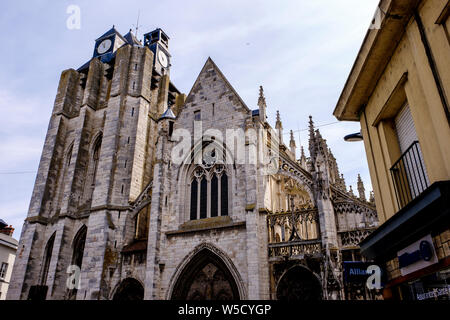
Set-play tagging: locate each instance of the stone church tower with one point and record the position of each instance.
(143, 192)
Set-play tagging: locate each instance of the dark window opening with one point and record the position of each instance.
(77, 255)
(48, 258)
(203, 198)
(214, 197)
(170, 128)
(194, 192)
(224, 195)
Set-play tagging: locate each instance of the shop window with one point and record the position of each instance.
(435, 286)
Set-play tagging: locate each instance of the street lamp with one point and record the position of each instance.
(354, 137)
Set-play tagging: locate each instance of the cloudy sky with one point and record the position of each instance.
(301, 51)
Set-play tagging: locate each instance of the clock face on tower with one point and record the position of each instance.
(104, 46)
(163, 59)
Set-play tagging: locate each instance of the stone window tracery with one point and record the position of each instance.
(209, 192)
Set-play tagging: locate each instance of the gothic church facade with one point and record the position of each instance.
(111, 205)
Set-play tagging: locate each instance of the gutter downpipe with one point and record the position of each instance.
(432, 64)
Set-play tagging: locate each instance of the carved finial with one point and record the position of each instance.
(303, 161)
(350, 192)
(344, 186)
(261, 99)
(361, 189)
(262, 105)
(292, 145)
(312, 140)
(278, 124)
(372, 197)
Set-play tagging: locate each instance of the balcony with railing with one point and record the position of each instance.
(409, 175)
(294, 234)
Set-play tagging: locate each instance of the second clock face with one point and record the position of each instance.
(163, 59)
(104, 46)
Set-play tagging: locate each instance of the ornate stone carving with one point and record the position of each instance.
(353, 238)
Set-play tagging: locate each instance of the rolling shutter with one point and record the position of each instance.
(406, 131)
(410, 174)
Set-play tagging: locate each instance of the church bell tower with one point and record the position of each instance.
(158, 42)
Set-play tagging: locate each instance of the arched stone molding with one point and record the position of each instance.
(217, 252)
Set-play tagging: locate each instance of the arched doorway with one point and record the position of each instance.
(129, 289)
(299, 284)
(205, 277)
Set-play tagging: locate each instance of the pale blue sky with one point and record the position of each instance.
(301, 51)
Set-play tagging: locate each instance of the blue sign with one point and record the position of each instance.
(356, 271)
(424, 253)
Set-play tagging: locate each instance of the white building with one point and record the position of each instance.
(8, 248)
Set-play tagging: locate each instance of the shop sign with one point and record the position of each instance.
(417, 256)
(435, 293)
(359, 272)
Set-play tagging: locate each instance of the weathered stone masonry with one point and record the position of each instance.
(107, 189)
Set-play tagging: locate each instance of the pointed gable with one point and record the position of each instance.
(201, 90)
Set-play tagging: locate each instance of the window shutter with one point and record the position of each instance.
(410, 174)
(406, 131)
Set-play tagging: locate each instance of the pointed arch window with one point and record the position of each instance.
(47, 259)
(77, 254)
(91, 173)
(96, 157)
(209, 193)
(78, 246)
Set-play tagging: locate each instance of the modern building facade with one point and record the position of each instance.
(8, 248)
(144, 192)
(399, 90)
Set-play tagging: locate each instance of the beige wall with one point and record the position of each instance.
(408, 78)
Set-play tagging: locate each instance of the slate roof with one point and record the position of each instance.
(131, 39)
(168, 114)
(110, 32)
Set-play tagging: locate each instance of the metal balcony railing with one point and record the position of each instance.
(409, 175)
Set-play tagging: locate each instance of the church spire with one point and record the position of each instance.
(361, 189)
(292, 145)
(262, 104)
